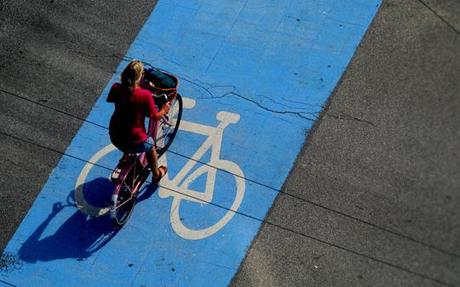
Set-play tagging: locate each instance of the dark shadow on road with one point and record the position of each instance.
(79, 236)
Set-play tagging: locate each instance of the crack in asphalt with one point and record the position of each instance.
(439, 16)
(91, 55)
(344, 116)
(6, 283)
(234, 92)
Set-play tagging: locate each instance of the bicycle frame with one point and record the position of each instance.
(132, 164)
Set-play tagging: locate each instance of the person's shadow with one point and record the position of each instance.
(80, 235)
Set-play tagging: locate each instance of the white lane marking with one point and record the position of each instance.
(80, 200)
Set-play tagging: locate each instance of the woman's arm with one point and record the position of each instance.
(113, 93)
(151, 108)
(164, 110)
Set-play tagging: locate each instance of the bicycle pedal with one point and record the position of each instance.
(116, 175)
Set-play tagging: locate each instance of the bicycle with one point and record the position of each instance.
(132, 169)
(180, 186)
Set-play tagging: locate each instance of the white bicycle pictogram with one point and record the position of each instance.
(178, 187)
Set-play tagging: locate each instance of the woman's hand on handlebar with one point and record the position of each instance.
(163, 111)
(166, 107)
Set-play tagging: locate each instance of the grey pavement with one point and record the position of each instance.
(375, 194)
(374, 197)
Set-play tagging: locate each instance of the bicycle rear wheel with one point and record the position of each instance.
(169, 125)
(123, 206)
(124, 198)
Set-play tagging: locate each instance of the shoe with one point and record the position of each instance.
(162, 172)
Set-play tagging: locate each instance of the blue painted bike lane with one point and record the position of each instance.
(255, 75)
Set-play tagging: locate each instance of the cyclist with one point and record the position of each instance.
(132, 105)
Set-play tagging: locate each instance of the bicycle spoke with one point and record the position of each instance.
(124, 202)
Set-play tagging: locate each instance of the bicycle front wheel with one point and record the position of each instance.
(169, 125)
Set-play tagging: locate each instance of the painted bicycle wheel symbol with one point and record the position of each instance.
(178, 187)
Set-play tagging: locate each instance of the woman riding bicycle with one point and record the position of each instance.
(132, 105)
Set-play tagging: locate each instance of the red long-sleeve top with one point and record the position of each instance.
(127, 125)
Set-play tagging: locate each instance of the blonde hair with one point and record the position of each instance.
(132, 74)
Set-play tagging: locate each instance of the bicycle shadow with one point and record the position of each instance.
(79, 236)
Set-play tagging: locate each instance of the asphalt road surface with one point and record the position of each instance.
(373, 199)
(58, 54)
